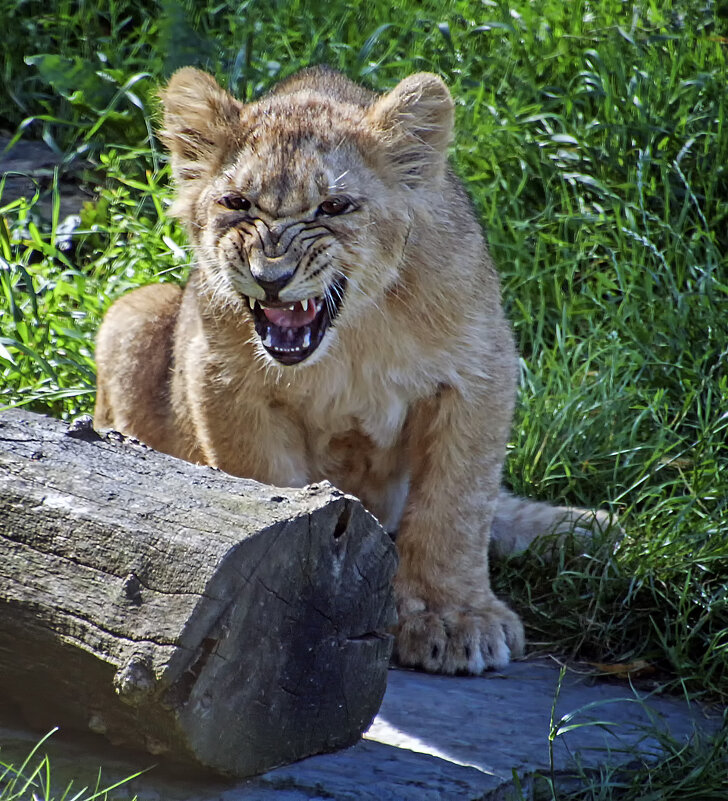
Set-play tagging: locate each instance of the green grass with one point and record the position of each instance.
(593, 139)
(35, 780)
(679, 771)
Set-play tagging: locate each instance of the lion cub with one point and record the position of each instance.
(343, 322)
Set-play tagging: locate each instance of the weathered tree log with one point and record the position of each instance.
(221, 622)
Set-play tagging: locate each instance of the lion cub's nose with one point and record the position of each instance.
(272, 274)
(272, 288)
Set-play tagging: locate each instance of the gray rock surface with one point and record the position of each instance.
(29, 167)
(441, 738)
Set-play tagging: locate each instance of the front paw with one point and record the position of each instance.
(458, 640)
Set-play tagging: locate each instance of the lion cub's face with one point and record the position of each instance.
(300, 205)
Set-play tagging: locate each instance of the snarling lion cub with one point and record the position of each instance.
(343, 322)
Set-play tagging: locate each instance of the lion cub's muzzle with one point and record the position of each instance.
(291, 332)
(272, 273)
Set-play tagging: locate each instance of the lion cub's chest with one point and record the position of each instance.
(346, 429)
(355, 439)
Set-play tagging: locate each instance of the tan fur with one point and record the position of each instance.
(406, 403)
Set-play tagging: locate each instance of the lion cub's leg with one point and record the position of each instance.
(134, 350)
(449, 619)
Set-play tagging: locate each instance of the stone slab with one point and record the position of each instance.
(28, 168)
(435, 737)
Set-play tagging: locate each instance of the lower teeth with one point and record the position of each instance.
(268, 341)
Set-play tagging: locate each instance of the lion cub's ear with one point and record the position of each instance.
(416, 120)
(201, 123)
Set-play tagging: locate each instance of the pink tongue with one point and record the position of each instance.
(285, 318)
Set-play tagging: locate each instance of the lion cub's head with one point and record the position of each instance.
(300, 205)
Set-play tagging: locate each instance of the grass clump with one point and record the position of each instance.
(593, 139)
(693, 770)
(53, 298)
(35, 780)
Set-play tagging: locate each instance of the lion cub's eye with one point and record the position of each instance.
(334, 205)
(235, 202)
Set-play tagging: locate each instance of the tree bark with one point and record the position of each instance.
(221, 622)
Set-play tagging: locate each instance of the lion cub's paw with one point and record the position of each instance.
(458, 640)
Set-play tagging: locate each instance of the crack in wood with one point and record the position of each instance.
(95, 568)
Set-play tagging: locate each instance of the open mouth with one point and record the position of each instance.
(291, 332)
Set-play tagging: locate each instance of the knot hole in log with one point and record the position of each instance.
(134, 682)
(342, 524)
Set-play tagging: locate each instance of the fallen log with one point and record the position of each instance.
(217, 621)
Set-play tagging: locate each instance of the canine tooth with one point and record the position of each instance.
(251, 301)
(267, 341)
(304, 304)
(307, 339)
